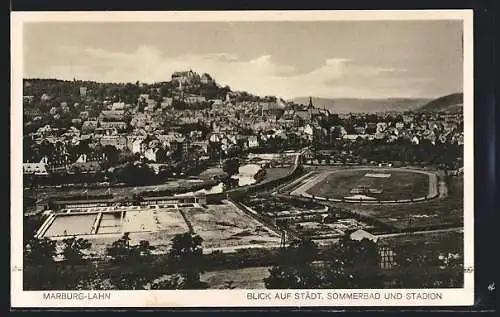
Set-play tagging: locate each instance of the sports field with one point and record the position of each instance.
(441, 202)
(435, 213)
(371, 184)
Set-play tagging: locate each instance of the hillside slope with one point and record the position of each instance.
(448, 103)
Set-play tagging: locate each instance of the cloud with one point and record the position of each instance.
(337, 77)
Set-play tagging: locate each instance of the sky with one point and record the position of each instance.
(330, 59)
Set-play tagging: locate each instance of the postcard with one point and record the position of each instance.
(242, 159)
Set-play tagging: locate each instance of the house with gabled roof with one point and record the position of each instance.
(35, 169)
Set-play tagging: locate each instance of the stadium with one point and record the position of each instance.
(369, 185)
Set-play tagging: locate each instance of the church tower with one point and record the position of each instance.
(310, 103)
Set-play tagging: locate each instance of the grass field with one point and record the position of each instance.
(433, 213)
(399, 185)
(274, 173)
(449, 241)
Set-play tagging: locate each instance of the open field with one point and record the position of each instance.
(378, 184)
(246, 278)
(447, 241)
(265, 204)
(274, 173)
(226, 226)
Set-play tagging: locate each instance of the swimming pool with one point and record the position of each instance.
(71, 225)
(110, 223)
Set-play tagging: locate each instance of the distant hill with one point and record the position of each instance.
(346, 105)
(449, 103)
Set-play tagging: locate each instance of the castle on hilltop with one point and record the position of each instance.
(184, 77)
(190, 77)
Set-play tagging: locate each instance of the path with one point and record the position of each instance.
(310, 182)
(390, 235)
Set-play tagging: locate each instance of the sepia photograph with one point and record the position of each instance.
(279, 158)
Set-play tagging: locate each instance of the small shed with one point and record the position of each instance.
(361, 234)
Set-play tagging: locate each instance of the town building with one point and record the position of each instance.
(118, 141)
(83, 91)
(35, 169)
(206, 79)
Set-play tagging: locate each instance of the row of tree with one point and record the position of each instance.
(186, 252)
(362, 264)
(403, 150)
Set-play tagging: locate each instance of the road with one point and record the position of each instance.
(390, 235)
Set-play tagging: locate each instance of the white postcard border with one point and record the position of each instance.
(232, 298)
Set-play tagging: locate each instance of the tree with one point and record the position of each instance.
(331, 217)
(234, 151)
(214, 150)
(301, 251)
(187, 250)
(40, 251)
(143, 249)
(112, 154)
(353, 264)
(429, 269)
(95, 280)
(129, 281)
(346, 264)
(120, 250)
(162, 155)
(28, 148)
(169, 282)
(295, 270)
(46, 148)
(135, 174)
(73, 249)
(30, 223)
(231, 166)
(289, 277)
